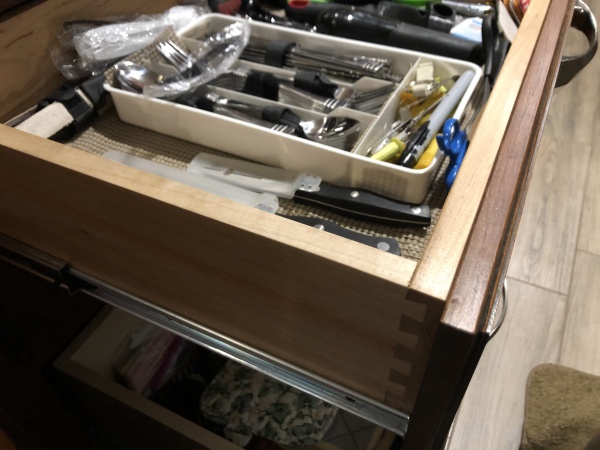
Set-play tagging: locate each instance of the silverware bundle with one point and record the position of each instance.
(339, 132)
(187, 64)
(341, 66)
(368, 101)
(306, 89)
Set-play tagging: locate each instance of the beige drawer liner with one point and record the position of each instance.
(109, 133)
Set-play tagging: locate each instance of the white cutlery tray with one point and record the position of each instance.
(339, 167)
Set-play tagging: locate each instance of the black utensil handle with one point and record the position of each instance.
(196, 101)
(388, 245)
(403, 13)
(371, 27)
(307, 13)
(354, 23)
(277, 51)
(266, 84)
(315, 82)
(489, 35)
(262, 84)
(280, 114)
(261, 15)
(283, 116)
(365, 205)
(436, 42)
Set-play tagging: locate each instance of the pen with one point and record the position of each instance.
(426, 132)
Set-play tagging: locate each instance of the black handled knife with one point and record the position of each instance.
(309, 189)
(388, 245)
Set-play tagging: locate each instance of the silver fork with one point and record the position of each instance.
(235, 80)
(347, 67)
(359, 63)
(175, 55)
(185, 63)
(364, 100)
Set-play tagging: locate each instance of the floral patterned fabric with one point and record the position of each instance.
(247, 403)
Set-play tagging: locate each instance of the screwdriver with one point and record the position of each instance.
(391, 151)
(426, 132)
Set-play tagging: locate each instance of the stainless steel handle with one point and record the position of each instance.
(497, 318)
(584, 21)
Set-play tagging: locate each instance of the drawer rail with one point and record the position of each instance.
(64, 275)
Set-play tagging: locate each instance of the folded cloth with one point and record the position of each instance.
(562, 410)
(246, 403)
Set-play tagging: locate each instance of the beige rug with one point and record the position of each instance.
(562, 410)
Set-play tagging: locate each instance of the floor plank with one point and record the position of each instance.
(545, 259)
(547, 237)
(589, 236)
(573, 115)
(491, 414)
(581, 339)
(572, 118)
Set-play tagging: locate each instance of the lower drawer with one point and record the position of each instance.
(120, 413)
(126, 418)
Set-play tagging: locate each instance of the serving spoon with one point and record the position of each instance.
(134, 77)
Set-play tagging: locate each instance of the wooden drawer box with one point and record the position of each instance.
(88, 363)
(401, 333)
(125, 415)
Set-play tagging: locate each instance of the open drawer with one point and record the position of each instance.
(88, 364)
(396, 334)
(141, 421)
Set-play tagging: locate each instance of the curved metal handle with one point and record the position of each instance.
(584, 21)
(496, 322)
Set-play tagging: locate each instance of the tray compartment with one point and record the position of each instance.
(109, 132)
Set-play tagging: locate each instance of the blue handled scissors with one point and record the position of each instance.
(454, 142)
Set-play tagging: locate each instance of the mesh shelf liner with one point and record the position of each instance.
(108, 132)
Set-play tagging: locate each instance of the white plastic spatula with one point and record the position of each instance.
(253, 176)
(267, 202)
(264, 201)
(304, 188)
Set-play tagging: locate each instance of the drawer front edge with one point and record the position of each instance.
(274, 289)
(483, 263)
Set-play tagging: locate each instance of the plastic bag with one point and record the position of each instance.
(89, 52)
(214, 55)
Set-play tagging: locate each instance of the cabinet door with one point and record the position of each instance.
(37, 320)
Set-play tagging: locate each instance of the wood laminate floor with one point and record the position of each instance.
(554, 274)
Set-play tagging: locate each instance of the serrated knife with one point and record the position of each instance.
(309, 189)
(388, 245)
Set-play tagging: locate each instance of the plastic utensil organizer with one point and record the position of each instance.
(343, 168)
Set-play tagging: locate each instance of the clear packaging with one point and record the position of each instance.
(89, 48)
(215, 55)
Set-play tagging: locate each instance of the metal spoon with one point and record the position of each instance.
(133, 77)
(339, 132)
(329, 127)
